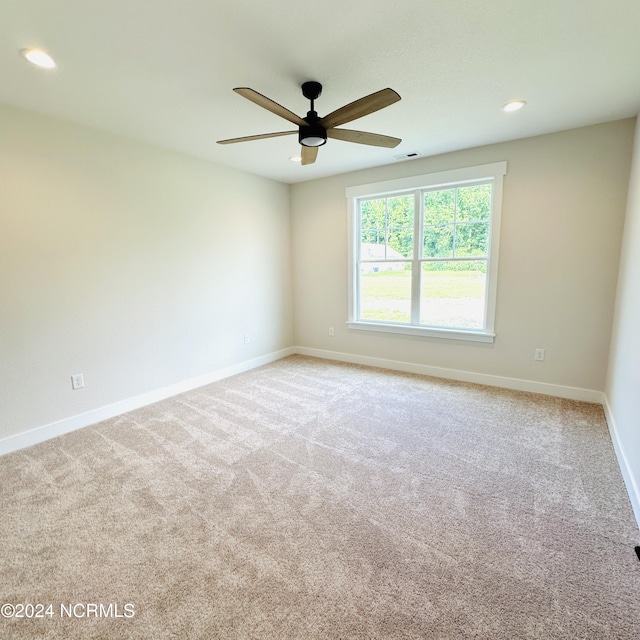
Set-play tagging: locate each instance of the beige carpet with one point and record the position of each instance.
(310, 499)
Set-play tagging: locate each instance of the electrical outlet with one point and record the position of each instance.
(331, 332)
(247, 338)
(539, 355)
(77, 381)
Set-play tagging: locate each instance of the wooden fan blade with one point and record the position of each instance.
(258, 137)
(269, 105)
(309, 154)
(359, 108)
(362, 137)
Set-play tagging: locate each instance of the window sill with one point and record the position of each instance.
(425, 332)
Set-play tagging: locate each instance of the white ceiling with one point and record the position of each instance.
(163, 72)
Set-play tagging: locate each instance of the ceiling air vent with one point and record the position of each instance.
(406, 156)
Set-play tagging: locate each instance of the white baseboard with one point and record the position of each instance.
(559, 391)
(630, 480)
(54, 429)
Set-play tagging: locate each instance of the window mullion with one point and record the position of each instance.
(455, 222)
(386, 227)
(416, 270)
(356, 278)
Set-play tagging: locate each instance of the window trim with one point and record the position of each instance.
(493, 172)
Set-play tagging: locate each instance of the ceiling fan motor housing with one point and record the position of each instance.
(312, 135)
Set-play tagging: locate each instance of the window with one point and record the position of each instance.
(424, 253)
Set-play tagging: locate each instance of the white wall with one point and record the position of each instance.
(135, 266)
(142, 268)
(563, 212)
(623, 380)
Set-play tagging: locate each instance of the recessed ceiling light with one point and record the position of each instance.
(295, 158)
(38, 57)
(514, 105)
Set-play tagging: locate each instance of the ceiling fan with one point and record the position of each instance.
(313, 131)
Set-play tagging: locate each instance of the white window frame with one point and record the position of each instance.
(494, 173)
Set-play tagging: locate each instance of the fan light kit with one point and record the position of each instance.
(313, 131)
(39, 58)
